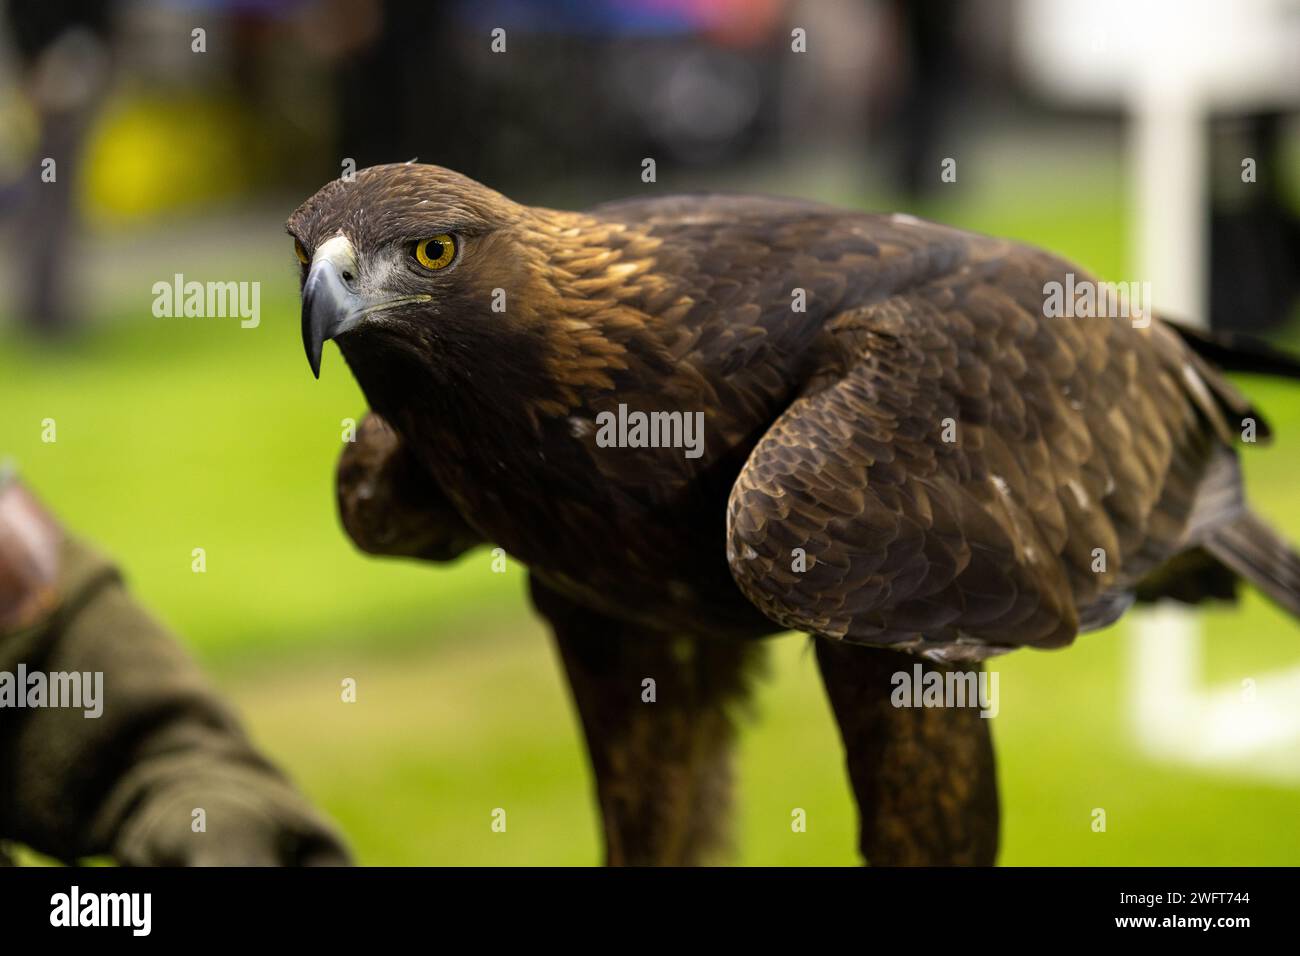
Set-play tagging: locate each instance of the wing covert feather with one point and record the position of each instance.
(1073, 441)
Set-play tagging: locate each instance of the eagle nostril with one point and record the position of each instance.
(347, 275)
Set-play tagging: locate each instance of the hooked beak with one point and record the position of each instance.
(331, 304)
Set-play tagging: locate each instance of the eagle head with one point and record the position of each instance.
(445, 295)
(401, 266)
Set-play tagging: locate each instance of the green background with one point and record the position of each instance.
(176, 434)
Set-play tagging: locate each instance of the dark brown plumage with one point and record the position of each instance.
(824, 436)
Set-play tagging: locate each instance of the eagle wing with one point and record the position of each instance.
(963, 475)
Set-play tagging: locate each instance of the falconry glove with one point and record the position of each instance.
(162, 754)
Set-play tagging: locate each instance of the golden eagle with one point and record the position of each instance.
(901, 454)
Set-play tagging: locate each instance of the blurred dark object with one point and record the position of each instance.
(930, 86)
(638, 78)
(1254, 233)
(62, 48)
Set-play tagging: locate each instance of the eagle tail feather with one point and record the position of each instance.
(1235, 352)
(1252, 549)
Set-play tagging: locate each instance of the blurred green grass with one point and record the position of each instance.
(176, 434)
(173, 436)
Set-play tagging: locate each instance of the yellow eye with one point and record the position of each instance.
(301, 253)
(436, 253)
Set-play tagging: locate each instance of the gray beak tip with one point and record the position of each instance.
(313, 344)
(313, 356)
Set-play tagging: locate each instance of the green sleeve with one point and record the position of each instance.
(128, 782)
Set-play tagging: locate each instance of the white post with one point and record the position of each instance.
(1168, 162)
